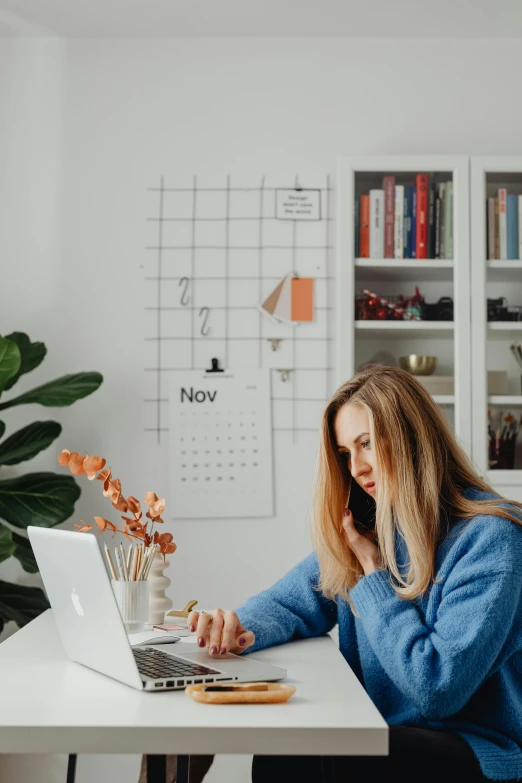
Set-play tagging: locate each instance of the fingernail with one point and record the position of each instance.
(242, 642)
(223, 651)
(201, 642)
(213, 650)
(346, 512)
(192, 627)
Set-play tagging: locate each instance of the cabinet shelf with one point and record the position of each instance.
(503, 271)
(414, 327)
(386, 269)
(507, 478)
(505, 399)
(504, 326)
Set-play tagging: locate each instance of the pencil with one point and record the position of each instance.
(119, 564)
(132, 574)
(150, 562)
(124, 562)
(111, 564)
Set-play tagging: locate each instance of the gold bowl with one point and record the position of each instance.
(418, 365)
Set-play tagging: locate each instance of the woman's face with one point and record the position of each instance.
(352, 433)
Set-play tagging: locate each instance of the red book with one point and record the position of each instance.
(388, 184)
(422, 216)
(364, 226)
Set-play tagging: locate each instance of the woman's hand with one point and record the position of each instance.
(220, 631)
(362, 544)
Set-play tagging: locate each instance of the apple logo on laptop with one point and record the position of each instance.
(75, 598)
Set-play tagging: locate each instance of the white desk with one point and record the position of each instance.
(51, 705)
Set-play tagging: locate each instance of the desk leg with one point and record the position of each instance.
(182, 773)
(71, 768)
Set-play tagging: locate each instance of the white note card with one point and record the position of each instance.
(220, 435)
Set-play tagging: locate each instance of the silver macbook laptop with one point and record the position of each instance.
(93, 633)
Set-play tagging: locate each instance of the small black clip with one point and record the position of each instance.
(215, 366)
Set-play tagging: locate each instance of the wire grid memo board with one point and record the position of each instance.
(215, 251)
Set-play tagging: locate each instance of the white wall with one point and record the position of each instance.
(91, 123)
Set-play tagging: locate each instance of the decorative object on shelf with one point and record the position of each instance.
(159, 603)
(438, 311)
(183, 612)
(274, 342)
(497, 382)
(285, 374)
(418, 365)
(438, 384)
(140, 563)
(292, 300)
(499, 310)
(370, 306)
(502, 437)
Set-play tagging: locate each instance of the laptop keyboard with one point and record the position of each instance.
(158, 665)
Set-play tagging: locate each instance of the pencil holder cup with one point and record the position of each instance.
(133, 602)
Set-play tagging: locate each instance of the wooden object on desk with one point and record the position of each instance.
(182, 612)
(242, 693)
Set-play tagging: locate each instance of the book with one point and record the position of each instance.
(442, 196)
(356, 220)
(490, 208)
(408, 208)
(502, 221)
(519, 227)
(448, 221)
(512, 226)
(497, 229)
(364, 226)
(399, 222)
(414, 225)
(388, 184)
(422, 216)
(431, 220)
(376, 223)
(438, 207)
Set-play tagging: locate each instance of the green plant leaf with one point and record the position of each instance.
(24, 553)
(2, 428)
(32, 354)
(60, 392)
(7, 546)
(10, 360)
(28, 442)
(21, 604)
(43, 499)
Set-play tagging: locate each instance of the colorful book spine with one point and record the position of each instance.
(356, 221)
(422, 216)
(399, 222)
(388, 184)
(364, 226)
(448, 221)
(502, 222)
(442, 196)
(376, 223)
(414, 225)
(408, 207)
(520, 227)
(491, 227)
(497, 229)
(431, 220)
(512, 226)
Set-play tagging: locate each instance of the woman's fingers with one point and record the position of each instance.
(216, 630)
(245, 640)
(230, 627)
(203, 628)
(192, 620)
(220, 631)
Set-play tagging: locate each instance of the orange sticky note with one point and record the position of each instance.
(302, 299)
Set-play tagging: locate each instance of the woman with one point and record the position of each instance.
(423, 573)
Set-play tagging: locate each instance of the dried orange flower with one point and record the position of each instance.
(133, 527)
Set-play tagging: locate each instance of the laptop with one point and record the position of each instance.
(93, 634)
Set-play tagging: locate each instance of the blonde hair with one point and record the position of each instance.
(421, 471)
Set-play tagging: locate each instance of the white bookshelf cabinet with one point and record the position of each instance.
(358, 341)
(491, 340)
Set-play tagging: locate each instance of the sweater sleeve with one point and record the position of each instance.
(292, 608)
(439, 668)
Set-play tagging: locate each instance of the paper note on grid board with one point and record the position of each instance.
(220, 444)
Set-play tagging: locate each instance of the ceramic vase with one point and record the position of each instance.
(159, 603)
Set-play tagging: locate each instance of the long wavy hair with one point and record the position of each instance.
(421, 473)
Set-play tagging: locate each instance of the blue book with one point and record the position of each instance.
(414, 225)
(356, 214)
(408, 207)
(512, 225)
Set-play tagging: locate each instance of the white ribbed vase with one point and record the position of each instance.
(159, 603)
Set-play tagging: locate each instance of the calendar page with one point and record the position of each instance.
(220, 434)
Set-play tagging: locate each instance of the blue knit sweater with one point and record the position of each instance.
(451, 660)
